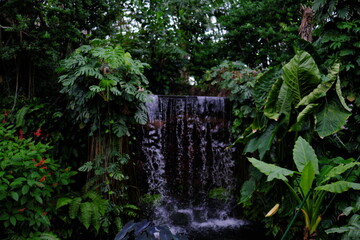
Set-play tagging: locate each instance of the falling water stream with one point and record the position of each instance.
(187, 163)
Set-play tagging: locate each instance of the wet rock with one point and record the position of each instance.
(180, 219)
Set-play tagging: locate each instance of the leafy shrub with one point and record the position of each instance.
(29, 181)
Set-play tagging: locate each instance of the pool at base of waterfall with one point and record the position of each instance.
(194, 224)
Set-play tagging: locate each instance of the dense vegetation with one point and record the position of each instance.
(74, 75)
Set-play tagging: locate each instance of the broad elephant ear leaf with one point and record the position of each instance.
(331, 118)
(263, 86)
(339, 187)
(341, 168)
(270, 109)
(271, 170)
(339, 93)
(263, 142)
(322, 88)
(303, 115)
(303, 153)
(302, 75)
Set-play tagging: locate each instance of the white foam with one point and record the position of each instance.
(219, 223)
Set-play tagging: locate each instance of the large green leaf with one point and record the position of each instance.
(331, 118)
(322, 88)
(247, 189)
(301, 74)
(263, 86)
(341, 168)
(271, 170)
(270, 109)
(264, 141)
(307, 178)
(302, 116)
(285, 98)
(304, 153)
(339, 93)
(339, 187)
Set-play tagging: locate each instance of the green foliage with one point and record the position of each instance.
(236, 80)
(338, 40)
(177, 38)
(112, 172)
(105, 87)
(36, 35)
(260, 33)
(29, 180)
(307, 166)
(219, 193)
(88, 208)
(352, 229)
(296, 99)
(299, 100)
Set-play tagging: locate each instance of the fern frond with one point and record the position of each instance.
(344, 12)
(63, 201)
(20, 116)
(74, 207)
(86, 212)
(96, 216)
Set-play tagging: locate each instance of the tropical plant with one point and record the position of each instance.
(292, 100)
(30, 180)
(88, 208)
(297, 98)
(105, 87)
(236, 81)
(313, 183)
(260, 33)
(351, 230)
(106, 93)
(35, 36)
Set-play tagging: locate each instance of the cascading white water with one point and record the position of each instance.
(184, 146)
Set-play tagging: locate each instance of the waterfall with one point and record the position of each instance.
(187, 162)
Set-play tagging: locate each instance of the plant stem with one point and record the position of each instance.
(296, 214)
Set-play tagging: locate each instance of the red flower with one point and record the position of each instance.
(66, 169)
(6, 113)
(42, 162)
(33, 160)
(3, 121)
(21, 210)
(44, 167)
(42, 179)
(44, 213)
(38, 133)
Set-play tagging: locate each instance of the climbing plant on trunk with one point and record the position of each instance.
(106, 93)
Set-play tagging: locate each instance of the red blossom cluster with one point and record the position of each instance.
(42, 179)
(38, 133)
(42, 162)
